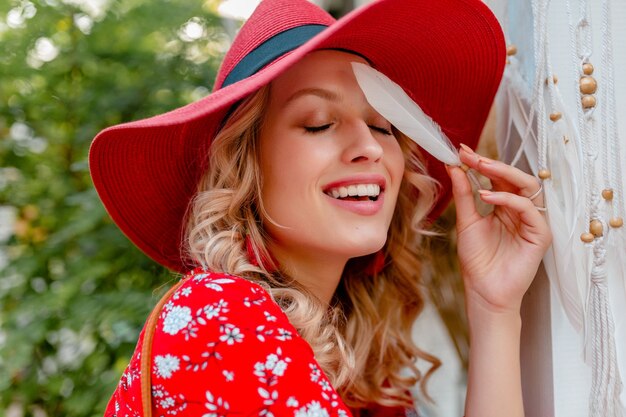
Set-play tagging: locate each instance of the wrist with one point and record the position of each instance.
(483, 316)
(494, 294)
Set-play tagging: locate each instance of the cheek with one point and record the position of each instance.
(288, 174)
(396, 163)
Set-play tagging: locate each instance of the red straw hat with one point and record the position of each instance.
(447, 54)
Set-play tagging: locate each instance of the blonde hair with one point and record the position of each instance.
(363, 342)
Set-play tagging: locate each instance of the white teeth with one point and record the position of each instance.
(357, 190)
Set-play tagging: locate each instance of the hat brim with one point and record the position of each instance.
(447, 54)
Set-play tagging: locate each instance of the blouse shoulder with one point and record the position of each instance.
(223, 346)
(209, 301)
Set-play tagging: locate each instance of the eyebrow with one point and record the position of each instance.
(319, 92)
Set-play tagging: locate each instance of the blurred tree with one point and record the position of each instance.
(74, 292)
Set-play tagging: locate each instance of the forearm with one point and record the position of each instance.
(494, 379)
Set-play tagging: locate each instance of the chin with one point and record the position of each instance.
(367, 246)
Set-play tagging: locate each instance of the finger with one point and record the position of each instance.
(463, 196)
(532, 220)
(503, 177)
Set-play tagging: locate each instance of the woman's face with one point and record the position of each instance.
(331, 167)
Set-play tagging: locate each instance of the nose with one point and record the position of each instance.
(361, 144)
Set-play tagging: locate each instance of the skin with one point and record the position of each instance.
(499, 256)
(312, 239)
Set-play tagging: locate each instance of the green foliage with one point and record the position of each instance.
(74, 292)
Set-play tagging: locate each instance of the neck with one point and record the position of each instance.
(318, 273)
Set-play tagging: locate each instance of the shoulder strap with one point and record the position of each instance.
(146, 351)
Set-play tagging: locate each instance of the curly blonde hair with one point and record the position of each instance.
(363, 341)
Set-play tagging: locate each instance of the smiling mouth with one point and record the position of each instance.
(355, 192)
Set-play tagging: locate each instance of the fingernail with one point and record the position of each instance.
(485, 161)
(485, 193)
(466, 148)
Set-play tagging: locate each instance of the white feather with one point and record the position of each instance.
(390, 100)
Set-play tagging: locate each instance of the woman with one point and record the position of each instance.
(302, 220)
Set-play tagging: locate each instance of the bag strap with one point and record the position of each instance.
(146, 351)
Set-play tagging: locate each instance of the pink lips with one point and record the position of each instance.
(364, 208)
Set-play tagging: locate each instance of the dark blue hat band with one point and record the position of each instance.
(268, 51)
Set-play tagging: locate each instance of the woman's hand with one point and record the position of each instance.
(499, 253)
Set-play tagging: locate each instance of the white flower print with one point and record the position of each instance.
(325, 385)
(158, 392)
(292, 402)
(200, 277)
(176, 319)
(274, 367)
(342, 413)
(185, 291)
(130, 374)
(214, 310)
(217, 406)
(269, 317)
(259, 369)
(279, 368)
(283, 335)
(200, 364)
(333, 398)
(231, 334)
(268, 398)
(228, 375)
(167, 402)
(171, 403)
(215, 284)
(312, 409)
(261, 333)
(315, 372)
(270, 361)
(166, 365)
(256, 301)
(211, 311)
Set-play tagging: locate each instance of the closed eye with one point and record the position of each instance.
(380, 129)
(314, 129)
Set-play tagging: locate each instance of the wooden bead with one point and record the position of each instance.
(544, 174)
(616, 222)
(587, 68)
(607, 194)
(555, 116)
(555, 79)
(588, 84)
(588, 102)
(511, 50)
(595, 227)
(587, 237)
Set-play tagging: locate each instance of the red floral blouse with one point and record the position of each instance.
(222, 347)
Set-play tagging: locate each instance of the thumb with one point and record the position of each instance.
(466, 212)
